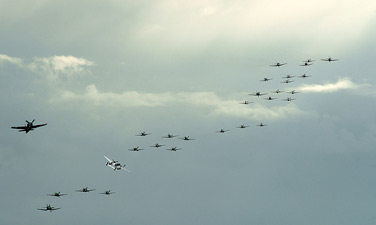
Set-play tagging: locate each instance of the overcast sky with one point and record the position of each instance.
(101, 72)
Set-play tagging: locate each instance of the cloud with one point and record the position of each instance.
(12, 60)
(53, 67)
(344, 83)
(209, 102)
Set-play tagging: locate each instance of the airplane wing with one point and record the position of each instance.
(54, 208)
(39, 125)
(111, 166)
(43, 209)
(109, 160)
(23, 127)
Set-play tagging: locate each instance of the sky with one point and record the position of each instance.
(101, 72)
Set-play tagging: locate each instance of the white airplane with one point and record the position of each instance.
(115, 165)
(49, 208)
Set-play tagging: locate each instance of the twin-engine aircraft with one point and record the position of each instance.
(29, 126)
(115, 165)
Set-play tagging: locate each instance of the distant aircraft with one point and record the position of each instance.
(143, 134)
(108, 193)
(258, 94)
(170, 136)
(29, 126)
(222, 131)
(174, 149)
(293, 92)
(245, 102)
(186, 138)
(306, 64)
(242, 126)
(288, 76)
(277, 91)
(288, 99)
(309, 60)
(329, 59)
(269, 98)
(136, 149)
(278, 64)
(304, 76)
(266, 79)
(85, 189)
(287, 81)
(261, 125)
(49, 208)
(114, 164)
(157, 145)
(57, 194)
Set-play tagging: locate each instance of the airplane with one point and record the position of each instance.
(306, 64)
(266, 79)
(143, 134)
(246, 102)
(288, 99)
(277, 91)
(288, 76)
(108, 193)
(242, 126)
(293, 92)
(170, 136)
(258, 94)
(186, 138)
(329, 59)
(222, 131)
(261, 125)
(269, 98)
(115, 165)
(85, 189)
(278, 64)
(303, 76)
(309, 60)
(29, 126)
(57, 194)
(174, 149)
(287, 81)
(136, 149)
(157, 145)
(49, 208)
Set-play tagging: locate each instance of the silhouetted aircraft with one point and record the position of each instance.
(57, 194)
(29, 126)
(329, 59)
(287, 81)
(242, 126)
(304, 76)
(222, 131)
(309, 60)
(85, 189)
(245, 102)
(107, 193)
(170, 136)
(136, 149)
(288, 76)
(278, 64)
(306, 64)
(174, 149)
(143, 134)
(293, 92)
(157, 145)
(258, 94)
(261, 125)
(266, 79)
(277, 91)
(288, 99)
(49, 208)
(269, 98)
(186, 138)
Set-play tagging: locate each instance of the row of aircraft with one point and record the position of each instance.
(307, 62)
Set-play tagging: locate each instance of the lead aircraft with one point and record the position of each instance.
(29, 126)
(115, 165)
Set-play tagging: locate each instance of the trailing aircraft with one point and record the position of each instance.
(29, 126)
(49, 208)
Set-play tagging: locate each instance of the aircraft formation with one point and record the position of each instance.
(117, 166)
